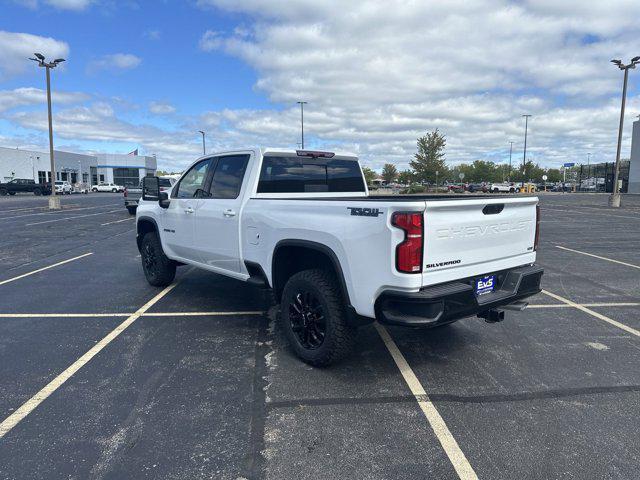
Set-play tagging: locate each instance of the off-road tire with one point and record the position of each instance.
(158, 269)
(338, 336)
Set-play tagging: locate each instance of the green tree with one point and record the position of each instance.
(430, 157)
(389, 172)
(554, 175)
(405, 177)
(369, 175)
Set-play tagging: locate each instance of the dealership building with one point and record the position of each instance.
(121, 169)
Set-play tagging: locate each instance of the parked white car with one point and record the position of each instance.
(504, 187)
(107, 187)
(63, 188)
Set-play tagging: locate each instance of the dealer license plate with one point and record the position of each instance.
(485, 285)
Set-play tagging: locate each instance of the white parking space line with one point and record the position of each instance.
(58, 212)
(120, 314)
(31, 404)
(599, 316)
(45, 268)
(460, 463)
(72, 218)
(564, 305)
(117, 221)
(598, 256)
(200, 314)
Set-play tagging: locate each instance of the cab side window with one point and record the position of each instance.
(228, 175)
(192, 184)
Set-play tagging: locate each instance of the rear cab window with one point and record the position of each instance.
(300, 174)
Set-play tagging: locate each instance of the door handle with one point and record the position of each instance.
(189, 210)
(229, 213)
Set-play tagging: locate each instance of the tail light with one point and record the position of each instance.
(125, 192)
(537, 237)
(409, 252)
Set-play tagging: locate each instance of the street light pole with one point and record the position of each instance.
(524, 155)
(204, 148)
(614, 199)
(54, 201)
(302, 104)
(510, 154)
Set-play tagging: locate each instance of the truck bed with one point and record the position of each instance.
(398, 198)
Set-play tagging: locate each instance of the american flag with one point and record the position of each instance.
(135, 152)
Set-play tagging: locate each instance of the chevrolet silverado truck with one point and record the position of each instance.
(302, 224)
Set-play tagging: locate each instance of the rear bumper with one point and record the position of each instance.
(448, 302)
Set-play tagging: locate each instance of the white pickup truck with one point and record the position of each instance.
(302, 224)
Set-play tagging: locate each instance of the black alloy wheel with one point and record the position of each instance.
(307, 319)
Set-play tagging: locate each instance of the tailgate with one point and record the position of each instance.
(467, 235)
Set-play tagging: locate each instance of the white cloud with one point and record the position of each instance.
(161, 108)
(74, 5)
(17, 48)
(116, 61)
(153, 34)
(379, 73)
(211, 40)
(26, 96)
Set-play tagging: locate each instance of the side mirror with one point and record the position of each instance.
(151, 189)
(164, 200)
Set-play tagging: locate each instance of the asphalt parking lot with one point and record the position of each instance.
(104, 376)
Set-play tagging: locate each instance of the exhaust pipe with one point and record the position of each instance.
(492, 316)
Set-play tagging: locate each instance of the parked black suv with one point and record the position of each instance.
(18, 185)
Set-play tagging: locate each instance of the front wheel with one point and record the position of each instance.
(495, 190)
(158, 268)
(314, 318)
(12, 193)
(115, 190)
(37, 192)
(94, 190)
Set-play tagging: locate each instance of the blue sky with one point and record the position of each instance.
(164, 35)
(376, 75)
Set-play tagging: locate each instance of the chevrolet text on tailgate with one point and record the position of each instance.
(303, 225)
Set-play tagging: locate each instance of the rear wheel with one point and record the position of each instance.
(131, 210)
(314, 319)
(495, 190)
(115, 190)
(94, 189)
(158, 268)
(12, 193)
(37, 192)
